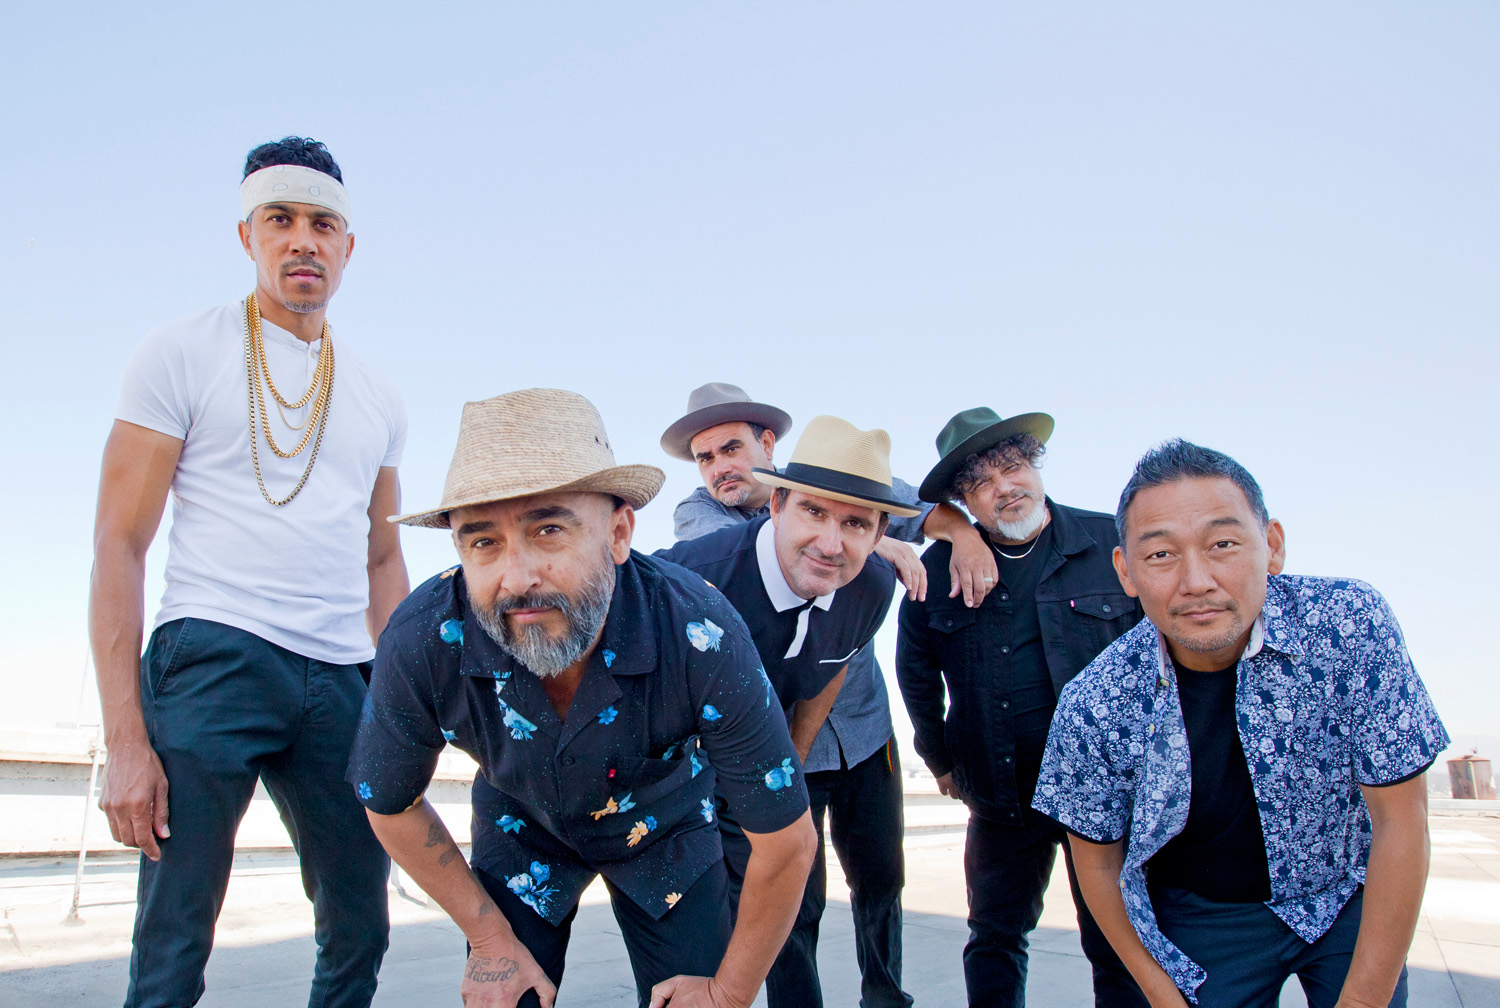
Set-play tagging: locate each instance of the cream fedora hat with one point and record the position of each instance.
(836, 459)
(530, 442)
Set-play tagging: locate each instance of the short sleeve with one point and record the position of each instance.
(908, 529)
(1078, 784)
(154, 389)
(397, 445)
(699, 514)
(397, 744)
(1396, 730)
(742, 727)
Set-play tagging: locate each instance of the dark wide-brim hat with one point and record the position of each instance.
(531, 442)
(716, 403)
(973, 431)
(837, 460)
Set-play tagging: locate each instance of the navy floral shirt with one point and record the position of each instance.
(1326, 700)
(671, 704)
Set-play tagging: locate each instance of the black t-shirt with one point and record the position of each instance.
(1221, 852)
(728, 560)
(1032, 696)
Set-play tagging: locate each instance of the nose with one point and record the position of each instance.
(304, 239)
(519, 573)
(830, 541)
(1197, 575)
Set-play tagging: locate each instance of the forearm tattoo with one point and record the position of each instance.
(437, 834)
(486, 970)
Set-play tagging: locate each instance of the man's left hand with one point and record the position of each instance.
(692, 992)
(971, 568)
(908, 566)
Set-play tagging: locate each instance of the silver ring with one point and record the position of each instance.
(986, 579)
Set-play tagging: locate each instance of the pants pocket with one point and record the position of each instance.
(166, 653)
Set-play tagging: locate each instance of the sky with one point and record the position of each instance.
(1271, 229)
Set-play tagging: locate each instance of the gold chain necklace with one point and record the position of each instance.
(320, 393)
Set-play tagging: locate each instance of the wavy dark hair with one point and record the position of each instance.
(1022, 447)
(292, 150)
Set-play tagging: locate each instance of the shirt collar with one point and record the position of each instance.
(1257, 640)
(780, 592)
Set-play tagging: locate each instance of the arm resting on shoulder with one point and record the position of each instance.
(774, 879)
(499, 969)
(1394, 882)
(133, 483)
(808, 715)
(1098, 867)
(972, 560)
(386, 568)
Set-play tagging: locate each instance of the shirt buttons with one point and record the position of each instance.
(1151, 729)
(1007, 759)
(568, 761)
(1105, 608)
(1005, 705)
(1004, 597)
(1005, 650)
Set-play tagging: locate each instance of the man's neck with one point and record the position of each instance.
(306, 326)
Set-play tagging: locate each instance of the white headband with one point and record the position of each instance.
(294, 184)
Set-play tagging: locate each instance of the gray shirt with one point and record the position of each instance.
(860, 722)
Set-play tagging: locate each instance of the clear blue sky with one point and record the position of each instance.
(1268, 228)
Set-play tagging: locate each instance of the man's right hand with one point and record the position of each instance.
(496, 978)
(947, 787)
(134, 797)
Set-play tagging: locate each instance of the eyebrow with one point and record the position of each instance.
(709, 452)
(1217, 523)
(469, 528)
(317, 213)
(537, 514)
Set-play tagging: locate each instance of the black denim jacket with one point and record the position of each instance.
(1081, 608)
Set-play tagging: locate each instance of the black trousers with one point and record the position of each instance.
(1007, 869)
(224, 708)
(689, 939)
(863, 805)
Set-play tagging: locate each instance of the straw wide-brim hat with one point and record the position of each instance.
(837, 460)
(531, 442)
(713, 404)
(973, 431)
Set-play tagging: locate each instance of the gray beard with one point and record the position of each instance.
(1020, 531)
(531, 645)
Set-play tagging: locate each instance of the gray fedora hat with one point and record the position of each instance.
(973, 431)
(715, 403)
(530, 442)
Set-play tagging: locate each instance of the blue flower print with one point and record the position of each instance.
(452, 631)
(520, 728)
(364, 790)
(510, 824)
(697, 767)
(449, 734)
(609, 657)
(529, 888)
(704, 636)
(767, 680)
(625, 803)
(608, 714)
(711, 713)
(707, 811)
(780, 777)
(367, 713)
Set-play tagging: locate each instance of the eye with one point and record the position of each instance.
(547, 530)
(1158, 555)
(1225, 544)
(480, 543)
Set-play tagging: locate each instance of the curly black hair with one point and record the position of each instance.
(292, 150)
(1016, 448)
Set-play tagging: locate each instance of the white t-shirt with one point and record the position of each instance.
(294, 575)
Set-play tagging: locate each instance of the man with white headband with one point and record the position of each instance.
(277, 583)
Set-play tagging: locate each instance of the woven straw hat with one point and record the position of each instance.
(836, 459)
(530, 442)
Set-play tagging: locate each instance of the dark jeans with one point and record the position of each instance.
(224, 708)
(864, 808)
(1248, 952)
(689, 939)
(1007, 869)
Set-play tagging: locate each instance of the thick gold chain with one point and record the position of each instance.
(320, 392)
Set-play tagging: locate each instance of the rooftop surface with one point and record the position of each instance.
(264, 951)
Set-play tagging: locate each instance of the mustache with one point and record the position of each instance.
(1018, 495)
(540, 600)
(1178, 610)
(726, 478)
(301, 262)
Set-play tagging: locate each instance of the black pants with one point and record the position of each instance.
(1007, 869)
(224, 708)
(689, 939)
(863, 803)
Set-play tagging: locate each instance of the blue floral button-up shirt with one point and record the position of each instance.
(1326, 700)
(672, 702)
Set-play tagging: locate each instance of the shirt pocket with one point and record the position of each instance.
(1098, 619)
(647, 779)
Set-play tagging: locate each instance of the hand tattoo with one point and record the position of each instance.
(485, 970)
